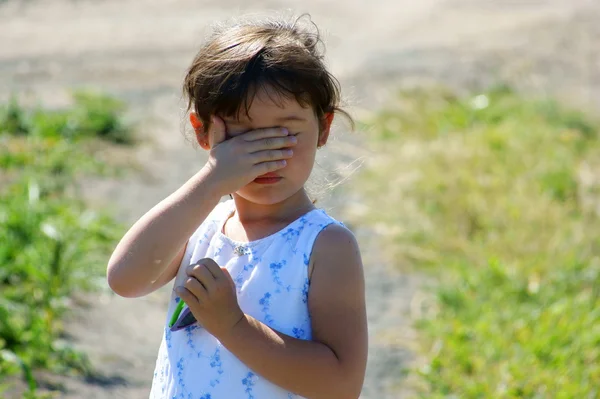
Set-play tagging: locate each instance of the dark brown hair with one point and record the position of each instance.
(240, 59)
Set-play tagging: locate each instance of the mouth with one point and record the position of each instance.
(268, 178)
(266, 175)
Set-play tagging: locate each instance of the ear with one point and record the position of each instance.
(201, 135)
(325, 129)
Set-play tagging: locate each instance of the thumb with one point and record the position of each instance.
(226, 272)
(217, 133)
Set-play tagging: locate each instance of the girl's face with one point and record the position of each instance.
(300, 122)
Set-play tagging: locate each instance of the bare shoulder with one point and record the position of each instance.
(334, 241)
(336, 256)
(336, 300)
(335, 233)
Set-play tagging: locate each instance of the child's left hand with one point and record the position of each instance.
(210, 294)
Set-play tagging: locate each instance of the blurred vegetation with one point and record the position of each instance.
(91, 115)
(497, 197)
(51, 246)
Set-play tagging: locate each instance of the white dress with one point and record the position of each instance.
(271, 277)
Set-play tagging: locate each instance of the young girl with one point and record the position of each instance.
(275, 285)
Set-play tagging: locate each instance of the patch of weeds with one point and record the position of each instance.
(91, 115)
(51, 245)
(486, 193)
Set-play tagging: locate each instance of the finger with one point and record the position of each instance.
(271, 155)
(228, 277)
(217, 132)
(187, 296)
(213, 268)
(271, 143)
(259, 134)
(196, 288)
(202, 274)
(196, 265)
(266, 167)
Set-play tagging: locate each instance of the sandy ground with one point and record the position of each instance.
(138, 51)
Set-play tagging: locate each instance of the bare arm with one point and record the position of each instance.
(333, 364)
(169, 273)
(149, 254)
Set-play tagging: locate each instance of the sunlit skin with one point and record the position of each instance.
(332, 364)
(285, 200)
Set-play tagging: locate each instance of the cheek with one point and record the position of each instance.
(303, 158)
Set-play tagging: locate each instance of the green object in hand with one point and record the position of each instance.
(177, 312)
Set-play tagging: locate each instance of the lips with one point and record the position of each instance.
(268, 178)
(268, 175)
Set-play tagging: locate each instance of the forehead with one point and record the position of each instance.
(269, 106)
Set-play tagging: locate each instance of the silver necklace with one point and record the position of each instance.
(241, 249)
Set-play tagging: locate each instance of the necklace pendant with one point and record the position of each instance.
(239, 250)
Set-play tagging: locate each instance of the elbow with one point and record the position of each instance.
(350, 392)
(350, 387)
(119, 284)
(121, 291)
(347, 388)
(354, 392)
(343, 393)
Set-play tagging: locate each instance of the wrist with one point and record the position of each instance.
(240, 325)
(204, 185)
(211, 181)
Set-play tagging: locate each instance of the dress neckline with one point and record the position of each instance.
(246, 244)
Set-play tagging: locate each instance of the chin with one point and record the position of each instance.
(266, 196)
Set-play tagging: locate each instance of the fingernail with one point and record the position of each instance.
(285, 131)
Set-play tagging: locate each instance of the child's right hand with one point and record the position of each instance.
(236, 162)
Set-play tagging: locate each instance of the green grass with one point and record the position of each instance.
(91, 115)
(51, 245)
(497, 197)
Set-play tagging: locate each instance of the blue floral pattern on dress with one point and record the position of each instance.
(168, 338)
(305, 289)
(275, 268)
(290, 234)
(249, 382)
(189, 332)
(271, 281)
(298, 332)
(180, 375)
(218, 251)
(265, 302)
(216, 364)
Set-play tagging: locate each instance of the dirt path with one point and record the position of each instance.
(138, 50)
